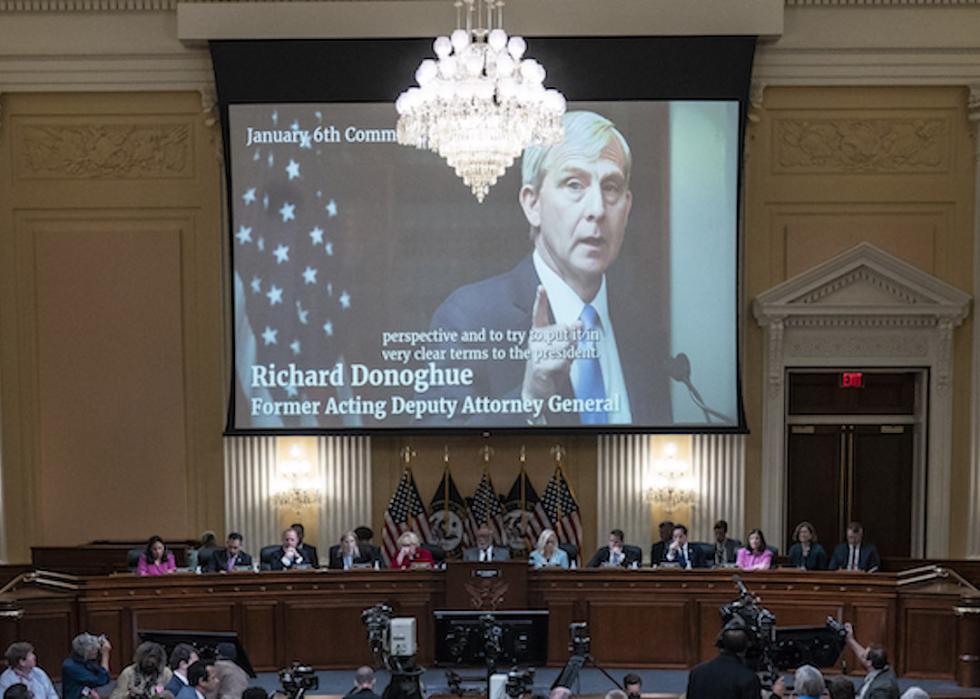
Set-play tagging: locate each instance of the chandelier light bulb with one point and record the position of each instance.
(479, 105)
(442, 46)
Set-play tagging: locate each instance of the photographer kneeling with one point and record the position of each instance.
(726, 677)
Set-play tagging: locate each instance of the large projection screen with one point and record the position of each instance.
(373, 292)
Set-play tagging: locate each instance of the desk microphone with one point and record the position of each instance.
(679, 369)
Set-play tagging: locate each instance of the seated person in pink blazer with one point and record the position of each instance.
(755, 556)
(156, 560)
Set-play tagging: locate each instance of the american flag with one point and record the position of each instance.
(405, 513)
(563, 512)
(486, 510)
(525, 515)
(291, 298)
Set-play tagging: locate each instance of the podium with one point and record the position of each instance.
(497, 585)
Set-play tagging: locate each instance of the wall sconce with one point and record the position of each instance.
(671, 486)
(294, 485)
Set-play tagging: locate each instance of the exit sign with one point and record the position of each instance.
(852, 379)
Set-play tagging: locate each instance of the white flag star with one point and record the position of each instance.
(274, 295)
(281, 253)
(329, 248)
(256, 285)
(316, 235)
(275, 118)
(291, 391)
(295, 125)
(309, 275)
(292, 169)
(328, 328)
(288, 211)
(294, 346)
(265, 201)
(261, 244)
(302, 314)
(269, 335)
(344, 299)
(271, 159)
(244, 235)
(331, 208)
(305, 140)
(249, 196)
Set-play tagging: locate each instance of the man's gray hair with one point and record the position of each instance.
(809, 681)
(586, 134)
(915, 693)
(83, 645)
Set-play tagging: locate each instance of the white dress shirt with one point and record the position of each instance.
(566, 307)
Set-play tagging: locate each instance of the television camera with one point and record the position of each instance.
(297, 679)
(772, 649)
(393, 642)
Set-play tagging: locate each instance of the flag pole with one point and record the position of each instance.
(523, 493)
(445, 482)
(407, 456)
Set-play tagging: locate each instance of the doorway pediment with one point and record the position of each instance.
(863, 281)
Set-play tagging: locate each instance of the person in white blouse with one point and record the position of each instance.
(548, 554)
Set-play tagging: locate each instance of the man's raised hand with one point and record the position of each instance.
(551, 348)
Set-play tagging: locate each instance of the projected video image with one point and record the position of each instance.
(594, 287)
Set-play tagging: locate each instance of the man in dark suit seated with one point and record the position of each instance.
(658, 552)
(616, 553)
(230, 557)
(726, 550)
(484, 549)
(682, 552)
(289, 555)
(880, 682)
(309, 552)
(854, 554)
(363, 685)
(726, 677)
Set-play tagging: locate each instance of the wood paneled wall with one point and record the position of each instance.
(112, 333)
(830, 167)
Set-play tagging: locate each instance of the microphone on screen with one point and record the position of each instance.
(679, 369)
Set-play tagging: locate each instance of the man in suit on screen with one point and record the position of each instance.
(585, 356)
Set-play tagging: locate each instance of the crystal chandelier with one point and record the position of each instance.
(671, 486)
(480, 103)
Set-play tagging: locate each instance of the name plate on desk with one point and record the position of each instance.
(487, 572)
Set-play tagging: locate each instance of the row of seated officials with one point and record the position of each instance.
(674, 549)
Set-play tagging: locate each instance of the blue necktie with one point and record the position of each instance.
(681, 558)
(589, 383)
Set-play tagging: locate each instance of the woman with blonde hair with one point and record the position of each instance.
(348, 553)
(410, 552)
(547, 554)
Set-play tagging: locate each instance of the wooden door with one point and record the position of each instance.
(815, 480)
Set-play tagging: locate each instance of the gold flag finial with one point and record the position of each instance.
(407, 454)
(558, 451)
(486, 451)
(523, 455)
(445, 453)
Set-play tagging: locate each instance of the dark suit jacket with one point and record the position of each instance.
(309, 554)
(631, 555)
(725, 677)
(500, 553)
(867, 557)
(731, 547)
(361, 694)
(658, 552)
(817, 560)
(505, 303)
(337, 559)
(694, 554)
(219, 560)
(276, 561)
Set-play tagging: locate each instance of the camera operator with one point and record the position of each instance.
(87, 667)
(880, 682)
(726, 677)
(363, 685)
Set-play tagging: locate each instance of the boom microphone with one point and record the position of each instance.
(679, 369)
